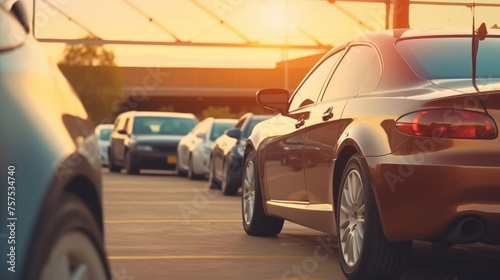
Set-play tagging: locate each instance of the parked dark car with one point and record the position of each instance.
(226, 158)
(51, 211)
(147, 140)
(388, 139)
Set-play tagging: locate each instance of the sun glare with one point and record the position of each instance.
(275, 20)
(274, 15)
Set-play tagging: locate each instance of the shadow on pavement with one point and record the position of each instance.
(461, 262)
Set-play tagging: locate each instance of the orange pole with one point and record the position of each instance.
(400, 12)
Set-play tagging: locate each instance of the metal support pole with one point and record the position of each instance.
(387, 14)
(285, 49)
(400, 13)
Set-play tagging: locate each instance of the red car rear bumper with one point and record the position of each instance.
(422, 199)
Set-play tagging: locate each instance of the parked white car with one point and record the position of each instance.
(103, 133)
(194, 149)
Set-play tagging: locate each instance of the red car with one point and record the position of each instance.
(390, 138)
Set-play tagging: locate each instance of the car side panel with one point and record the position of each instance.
(219, 155)
(117, 144)
(183, 151)
(281, 157)
(38, 104)
(321, 140)
(284, 169)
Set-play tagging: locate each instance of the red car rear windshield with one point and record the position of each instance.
(451, 58)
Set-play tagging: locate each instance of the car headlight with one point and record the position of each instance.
(144, 148)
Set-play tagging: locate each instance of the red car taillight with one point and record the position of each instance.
(450, 123)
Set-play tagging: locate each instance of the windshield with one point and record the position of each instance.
(162, 126)
(251, 125)
(218, 129)
(451, 58)
(105, 133)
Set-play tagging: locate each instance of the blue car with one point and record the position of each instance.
(51, 223)
(226, 160)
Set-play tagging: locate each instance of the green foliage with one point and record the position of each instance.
(87, 55)
(92, 72)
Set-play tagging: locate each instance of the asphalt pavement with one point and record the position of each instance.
(159, 226)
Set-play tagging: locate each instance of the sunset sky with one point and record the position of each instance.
(307, 22)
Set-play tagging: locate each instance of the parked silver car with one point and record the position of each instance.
(103, 133)
(194, 149)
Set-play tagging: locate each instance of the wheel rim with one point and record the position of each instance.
(248, 193)
(73, 257)
(352, 218)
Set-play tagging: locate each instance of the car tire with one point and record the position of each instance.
(112, 166)
(180, 172)
(228, 188)
(68, 244)
(190, 173)
(364, 251)
(213, 184)
(255, 220)
(130, 166)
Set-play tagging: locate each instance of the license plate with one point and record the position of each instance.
(172, 159)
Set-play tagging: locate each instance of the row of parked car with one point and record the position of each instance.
(212, 148)
(222, 159)
(391, 137)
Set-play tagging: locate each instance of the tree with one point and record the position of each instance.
(93, 73)
(87, 55)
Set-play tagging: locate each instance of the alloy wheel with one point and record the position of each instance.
(352, 218)
(73, 258)
(248, 193)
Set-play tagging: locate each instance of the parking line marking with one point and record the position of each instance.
(203, 257)
(150, 190)
(168, 221)
(295, 278)
(164, 202)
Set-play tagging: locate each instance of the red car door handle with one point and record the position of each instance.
(328, 114)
